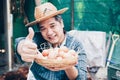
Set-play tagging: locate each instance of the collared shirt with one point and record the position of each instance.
(41, 73)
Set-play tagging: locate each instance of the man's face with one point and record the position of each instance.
(52, 31)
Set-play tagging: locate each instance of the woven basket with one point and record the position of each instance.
(56, 63)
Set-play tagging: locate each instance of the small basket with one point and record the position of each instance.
(56, 63)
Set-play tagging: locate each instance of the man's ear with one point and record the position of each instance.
(62, 24)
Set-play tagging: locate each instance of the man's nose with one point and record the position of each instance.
(50, 31)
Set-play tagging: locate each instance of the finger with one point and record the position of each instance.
(29, 51)
(30, 45)
(29, 56)
(30, 35)
(28, 59)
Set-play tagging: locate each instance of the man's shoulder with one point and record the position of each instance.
(71, 40)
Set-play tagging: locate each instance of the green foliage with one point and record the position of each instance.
(98, 15)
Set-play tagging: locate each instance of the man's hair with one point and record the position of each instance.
(57, 18)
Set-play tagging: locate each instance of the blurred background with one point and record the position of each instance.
(83, 15)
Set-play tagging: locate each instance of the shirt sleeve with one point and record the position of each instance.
(82, 62)
(73, 43)
(82, 67)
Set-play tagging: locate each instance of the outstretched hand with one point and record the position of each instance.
(27, 48)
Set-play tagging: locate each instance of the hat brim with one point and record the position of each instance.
(46, 17)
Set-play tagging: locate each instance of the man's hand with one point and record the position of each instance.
(27, 48)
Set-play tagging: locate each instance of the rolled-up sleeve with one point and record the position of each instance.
(82, 62)
(82, 67)
(74, 44)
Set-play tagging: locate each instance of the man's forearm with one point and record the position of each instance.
(72, 73)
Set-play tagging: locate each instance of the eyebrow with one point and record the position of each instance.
(52, 23)
(49, 24)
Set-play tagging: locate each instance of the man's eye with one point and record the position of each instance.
(53, 26)
(42, 29)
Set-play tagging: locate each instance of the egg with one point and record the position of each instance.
(63, 48)
(45, 52)
(52, 54)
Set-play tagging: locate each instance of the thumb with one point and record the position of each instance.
(30, 35)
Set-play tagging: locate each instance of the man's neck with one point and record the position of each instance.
(62, 42)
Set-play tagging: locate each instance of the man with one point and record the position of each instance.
(53, 35)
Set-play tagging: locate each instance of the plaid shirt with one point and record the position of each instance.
(41, 73)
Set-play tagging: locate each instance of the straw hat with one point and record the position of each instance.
(45, 11)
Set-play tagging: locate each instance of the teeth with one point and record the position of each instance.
(52, 37)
